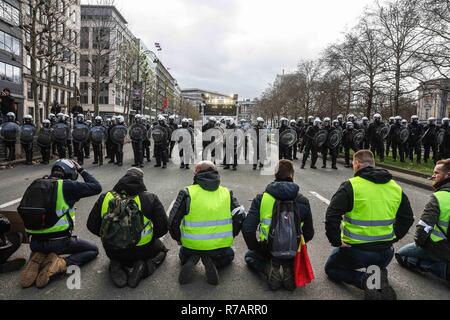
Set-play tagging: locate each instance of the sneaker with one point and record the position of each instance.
(31, 270)
(187, 270)
(387, 292)
(226, 168)
(273, 274)
(53, 265)
(13, 265)
(137, 274)
(212, 275)
(288, 276)
(117, 274)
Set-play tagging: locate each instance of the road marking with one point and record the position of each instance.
(318, 196)
(11, 203)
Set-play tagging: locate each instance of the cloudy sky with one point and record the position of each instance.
(238, 46)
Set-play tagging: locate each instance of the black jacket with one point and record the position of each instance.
(430, 216)
(342, 203)
(73, 192)
(208, 181)
(152, 208)
(283, 191)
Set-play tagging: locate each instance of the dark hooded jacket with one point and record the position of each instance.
(342, 203)
(431, 216)
(282, 191)
(209, 180)
(152, 208)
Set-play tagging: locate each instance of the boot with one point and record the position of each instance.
(212, 275)
(387, 292)
(288, 276)
(137, 274)
(155, 262)
(187, 270)
(52, 266)
(117, 274)
(273, 275)
(31, 271)
(13, 265)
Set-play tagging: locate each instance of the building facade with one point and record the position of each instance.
(434, 99)
(58, 65)
(247, 110)
(11, 55)
(105, 37)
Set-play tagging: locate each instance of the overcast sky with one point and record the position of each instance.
(238, 46)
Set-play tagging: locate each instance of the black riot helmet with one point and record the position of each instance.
(64, 169)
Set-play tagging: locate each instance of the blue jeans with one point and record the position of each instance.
(414, 257)
(80, 251)
(343, 263)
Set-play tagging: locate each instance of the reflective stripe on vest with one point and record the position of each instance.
(375, 207)
(209, 224)
(443, 198)
(61, 210)
(265, 215)
(147, 233)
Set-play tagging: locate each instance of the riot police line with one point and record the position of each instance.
(403, 140)
(226, 142)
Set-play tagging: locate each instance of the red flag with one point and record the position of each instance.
(303, 271)
(165, 103)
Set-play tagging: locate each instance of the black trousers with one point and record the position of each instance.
(285, 153)
(128, 257)
(108, 146)
(117, 152)
(87, 149)
(388, 147)
(415, 148)
(161, 154)
(62, 152)
(98, 153)
(70, 149)
(295, 151)
(10, 150)
(79, 151)
(310, 150)
(400, 148)
(138, 150)
(333, 153)
(146, 146)
(377, 149)
(28, 149)
(221, 257)
(430, 147)
(46, 153)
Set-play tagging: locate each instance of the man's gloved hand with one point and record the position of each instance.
(423, 234)
(5, 225)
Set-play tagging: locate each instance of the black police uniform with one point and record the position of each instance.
(415, 141)
(430, 142)
(310, 148)
(284, 152)
(28, 147)
(376, 140)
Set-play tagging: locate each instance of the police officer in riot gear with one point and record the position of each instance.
(326, 147)
(397, 145)
(285, 151)
(61, 146)
(375, 136)
(69, 144)
(27, 146)
(301, 129)
(389, 138)
(161, 146)
(117, 148)
(445, 146)
(53, 120)
(294, 127)
(430, 140)
(347, 141)
(310, 148)
(138, 146)
(96, 146)
(173, 127)
(260, 125)
(207, 126)
(185, 126)
(230, 129)
(10, 145)
(78, 145)
(146, 143)
(87, 145)
(365, 127)
(415, 139)
(306, 127)
(46, 149)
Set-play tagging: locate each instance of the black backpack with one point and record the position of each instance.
(285, 231)
(123, 224)
(38, 205)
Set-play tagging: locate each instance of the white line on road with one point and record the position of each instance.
(11, 203)
(318, 196)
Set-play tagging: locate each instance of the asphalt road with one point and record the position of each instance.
(237, 282)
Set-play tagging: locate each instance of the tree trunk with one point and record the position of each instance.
(34, 82)
(397, 90)
(49, 89)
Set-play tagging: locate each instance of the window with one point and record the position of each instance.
(84, 69)
(84, 44)
(63, 97)
(9, 72)
(84, 92)
(9, 13)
